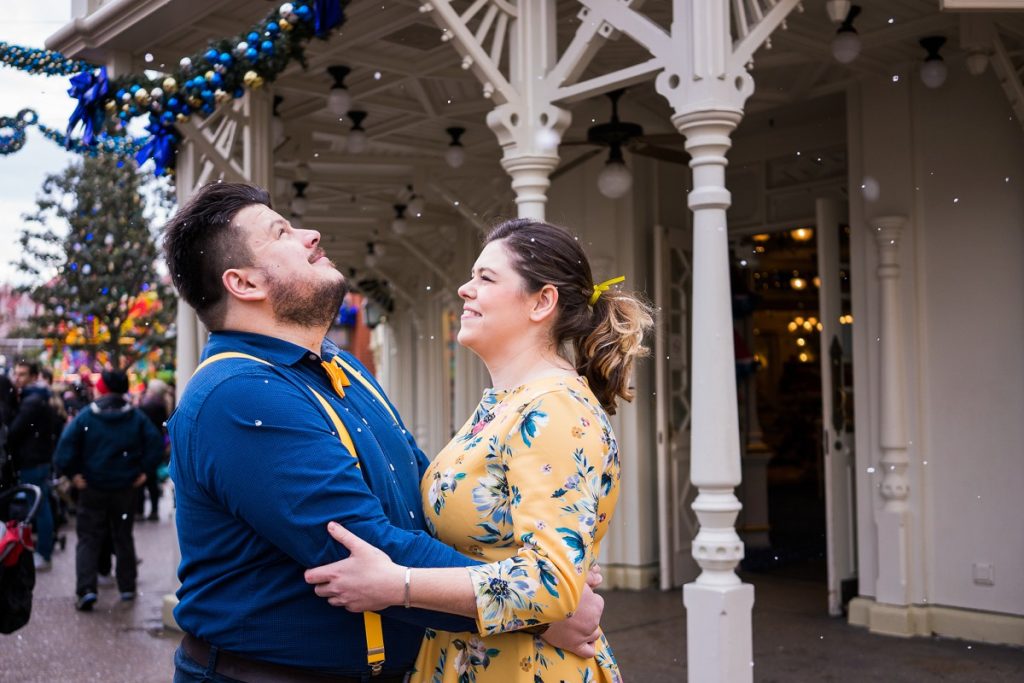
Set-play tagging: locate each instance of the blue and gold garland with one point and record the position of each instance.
(12, 138)
(220, 73)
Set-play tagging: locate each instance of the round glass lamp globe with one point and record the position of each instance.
(417, 206)
(339, 101)
(356, 142)
(399, 226)
(455, 156)
(933, 73)
(846, 46)
(299, 205)
(615, 180)
(277, 130)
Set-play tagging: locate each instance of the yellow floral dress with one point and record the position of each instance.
(529, 485)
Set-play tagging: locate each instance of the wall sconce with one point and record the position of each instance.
(399, 225)
(615, 179)
(356, 143)
(801, 234)
(846, 44)
(371, 255)
(933, 71)
(339, 99)
(302, 172)
(455, 155)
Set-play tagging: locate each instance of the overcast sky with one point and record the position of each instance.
(22, 173)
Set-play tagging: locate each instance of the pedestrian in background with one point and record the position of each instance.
(32, 438)
(106, 451)
(154, 405)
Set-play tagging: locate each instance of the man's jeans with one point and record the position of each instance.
(187, 670)
(101, 513)
(40, 476)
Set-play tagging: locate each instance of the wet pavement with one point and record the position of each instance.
(794, 640)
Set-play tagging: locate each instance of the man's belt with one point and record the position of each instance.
(255, 671)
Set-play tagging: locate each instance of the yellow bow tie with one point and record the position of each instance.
(339, 380)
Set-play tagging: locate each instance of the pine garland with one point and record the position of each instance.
(36, 61)
(219, 74)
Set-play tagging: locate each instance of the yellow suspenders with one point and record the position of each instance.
(371, 620)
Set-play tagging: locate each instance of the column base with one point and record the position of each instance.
(167, 612)
(629, 577)
(928, 620)
(719, 645)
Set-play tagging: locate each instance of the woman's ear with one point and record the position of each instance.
(244, 284)
(545, 302)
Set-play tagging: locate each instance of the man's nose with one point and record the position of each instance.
(311, 238)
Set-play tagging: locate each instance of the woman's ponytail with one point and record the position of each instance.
(606, 355)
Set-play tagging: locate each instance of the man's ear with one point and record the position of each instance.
(245, 284)
(545, 302)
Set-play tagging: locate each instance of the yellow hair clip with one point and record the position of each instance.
(604, 287)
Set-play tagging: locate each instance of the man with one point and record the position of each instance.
(260, 469)
(32, 436)
(106, 451)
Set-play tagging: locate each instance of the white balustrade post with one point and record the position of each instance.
(718, 604)
(892, 585)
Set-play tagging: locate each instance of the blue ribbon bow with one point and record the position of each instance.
(326, 15)
(89, 88)
(161, 146)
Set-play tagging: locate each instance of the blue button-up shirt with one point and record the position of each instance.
(258, 472)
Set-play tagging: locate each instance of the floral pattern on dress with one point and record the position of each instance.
(529, 485)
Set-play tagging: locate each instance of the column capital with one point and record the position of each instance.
(529, 137)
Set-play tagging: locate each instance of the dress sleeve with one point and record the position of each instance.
(552, 462)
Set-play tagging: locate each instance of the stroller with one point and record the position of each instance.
(18, 506)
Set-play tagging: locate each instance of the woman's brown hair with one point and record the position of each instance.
(605, 337)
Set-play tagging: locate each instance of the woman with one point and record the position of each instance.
(529, 484)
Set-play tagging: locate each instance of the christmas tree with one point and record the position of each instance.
(91, 237)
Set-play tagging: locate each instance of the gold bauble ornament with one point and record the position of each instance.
(141, 95)
(181, 118)
(285, 25)
(251, 79)
(170, 85)
(221, 96)
(110, 105)
(209, 75)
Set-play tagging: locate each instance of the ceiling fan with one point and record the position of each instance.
(615, 180)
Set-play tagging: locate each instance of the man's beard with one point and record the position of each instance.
(307, 304)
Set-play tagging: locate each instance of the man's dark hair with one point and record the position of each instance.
(201, 242)
(33, 368)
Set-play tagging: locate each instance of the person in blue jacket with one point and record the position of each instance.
(105, 451)
(277, 433)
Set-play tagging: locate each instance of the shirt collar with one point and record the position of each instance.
(273, 349)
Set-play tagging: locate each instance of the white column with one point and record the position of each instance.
(892, 585)
(529, 128)
(718, 604)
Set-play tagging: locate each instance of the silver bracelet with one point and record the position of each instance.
(408, 575)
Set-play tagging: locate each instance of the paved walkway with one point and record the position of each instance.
(794, 640)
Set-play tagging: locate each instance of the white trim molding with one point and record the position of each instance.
(936, 620)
